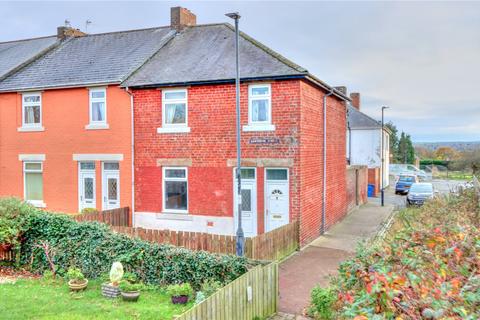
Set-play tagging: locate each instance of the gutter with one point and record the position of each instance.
(133, 154)
(324, 215)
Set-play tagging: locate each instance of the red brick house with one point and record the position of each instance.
(185, 143)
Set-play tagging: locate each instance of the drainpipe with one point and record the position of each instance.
(133, 154)
(325, 159)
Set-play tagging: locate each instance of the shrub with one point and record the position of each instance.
(75, 275)
(322, 303)
(93, 247)
(89, 210)
(210, 286)
(127, 286)
(177, 290)
(14, 220)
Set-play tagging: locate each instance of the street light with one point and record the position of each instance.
(383, 159)
(240, 245)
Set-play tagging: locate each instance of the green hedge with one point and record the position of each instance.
(427, 162)
(92, 247)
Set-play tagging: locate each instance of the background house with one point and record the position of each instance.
(364, 141)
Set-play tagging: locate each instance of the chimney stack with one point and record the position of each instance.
(355, 96)
(180, 18)
(68, 32)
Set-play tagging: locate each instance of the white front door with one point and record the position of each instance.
(110, 186)
(249, 202)
(86, 187)
(277, 198)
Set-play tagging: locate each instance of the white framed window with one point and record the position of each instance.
(174, 111)
(31, 112)
(259, 108)
(33, 182)
(175, 189)
(97, 108)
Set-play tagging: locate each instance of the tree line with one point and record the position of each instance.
(401, 148)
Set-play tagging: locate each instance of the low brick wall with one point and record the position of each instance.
(357, 185)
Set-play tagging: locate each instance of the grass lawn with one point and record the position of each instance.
(39, 299)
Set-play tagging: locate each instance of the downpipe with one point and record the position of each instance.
(324, 197)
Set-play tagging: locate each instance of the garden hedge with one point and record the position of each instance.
(93, 247)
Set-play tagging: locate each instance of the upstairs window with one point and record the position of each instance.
(259, 99)
(32, 110)
(174, 108)
(98, 106)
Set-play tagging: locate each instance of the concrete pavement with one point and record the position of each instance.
(319, 260)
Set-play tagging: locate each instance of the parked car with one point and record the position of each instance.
(419, 193)
(404, 183)
(398, 168)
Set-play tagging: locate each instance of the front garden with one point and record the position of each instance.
(428, 267)
(84, 270)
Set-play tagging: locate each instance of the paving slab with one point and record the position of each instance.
(316, 263)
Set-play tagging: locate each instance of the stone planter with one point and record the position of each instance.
(77, 286)
(130, 296)
(179, 299)
(110, 291)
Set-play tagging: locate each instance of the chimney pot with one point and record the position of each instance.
(180, 18)
(355, 96)
(68, 32)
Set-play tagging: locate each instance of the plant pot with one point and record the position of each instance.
(5, 246)
(110, 291)
(179, 299)
(74, 286)
(130, 296)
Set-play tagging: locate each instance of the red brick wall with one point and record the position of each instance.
(212, 140)
(311, 167)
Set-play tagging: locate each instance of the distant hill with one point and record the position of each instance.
(457, 145)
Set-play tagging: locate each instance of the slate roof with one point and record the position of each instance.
(359, 120)
(92, 59)
(14, 54)
(206, 53)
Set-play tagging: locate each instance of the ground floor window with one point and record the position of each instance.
(175, 190)
(33, 182)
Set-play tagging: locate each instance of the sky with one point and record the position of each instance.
(421, 59)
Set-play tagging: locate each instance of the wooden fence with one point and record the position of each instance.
(269, 246)
(113, 217)
(8, 255)
(254, 294)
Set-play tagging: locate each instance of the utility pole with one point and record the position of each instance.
(240, 245)
(382, 187)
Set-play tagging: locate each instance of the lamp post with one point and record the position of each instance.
(240, 245)
(382, 187)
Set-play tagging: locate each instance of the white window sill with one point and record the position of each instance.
(30, 129)
(93, 126)
(37, 203)
(259, 127)
(173, 130)
(174, 216)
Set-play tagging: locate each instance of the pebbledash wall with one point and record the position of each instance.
(209, 153)
(65, 115)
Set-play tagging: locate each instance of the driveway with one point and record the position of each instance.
(319, 260)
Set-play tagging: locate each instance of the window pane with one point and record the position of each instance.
(260, 110)
(277, 174)
(111, 166)
(175, 95)
(175, 113)
(112, 188)
(87, 165)
(33, 166)
(33, 186)
(246, 200)
(98, 94)
(175, 173)
(257, 91)
(247, 173)
(31, 98)
(88, 188)
(98, 111)
(32, 114)
(176, 195)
